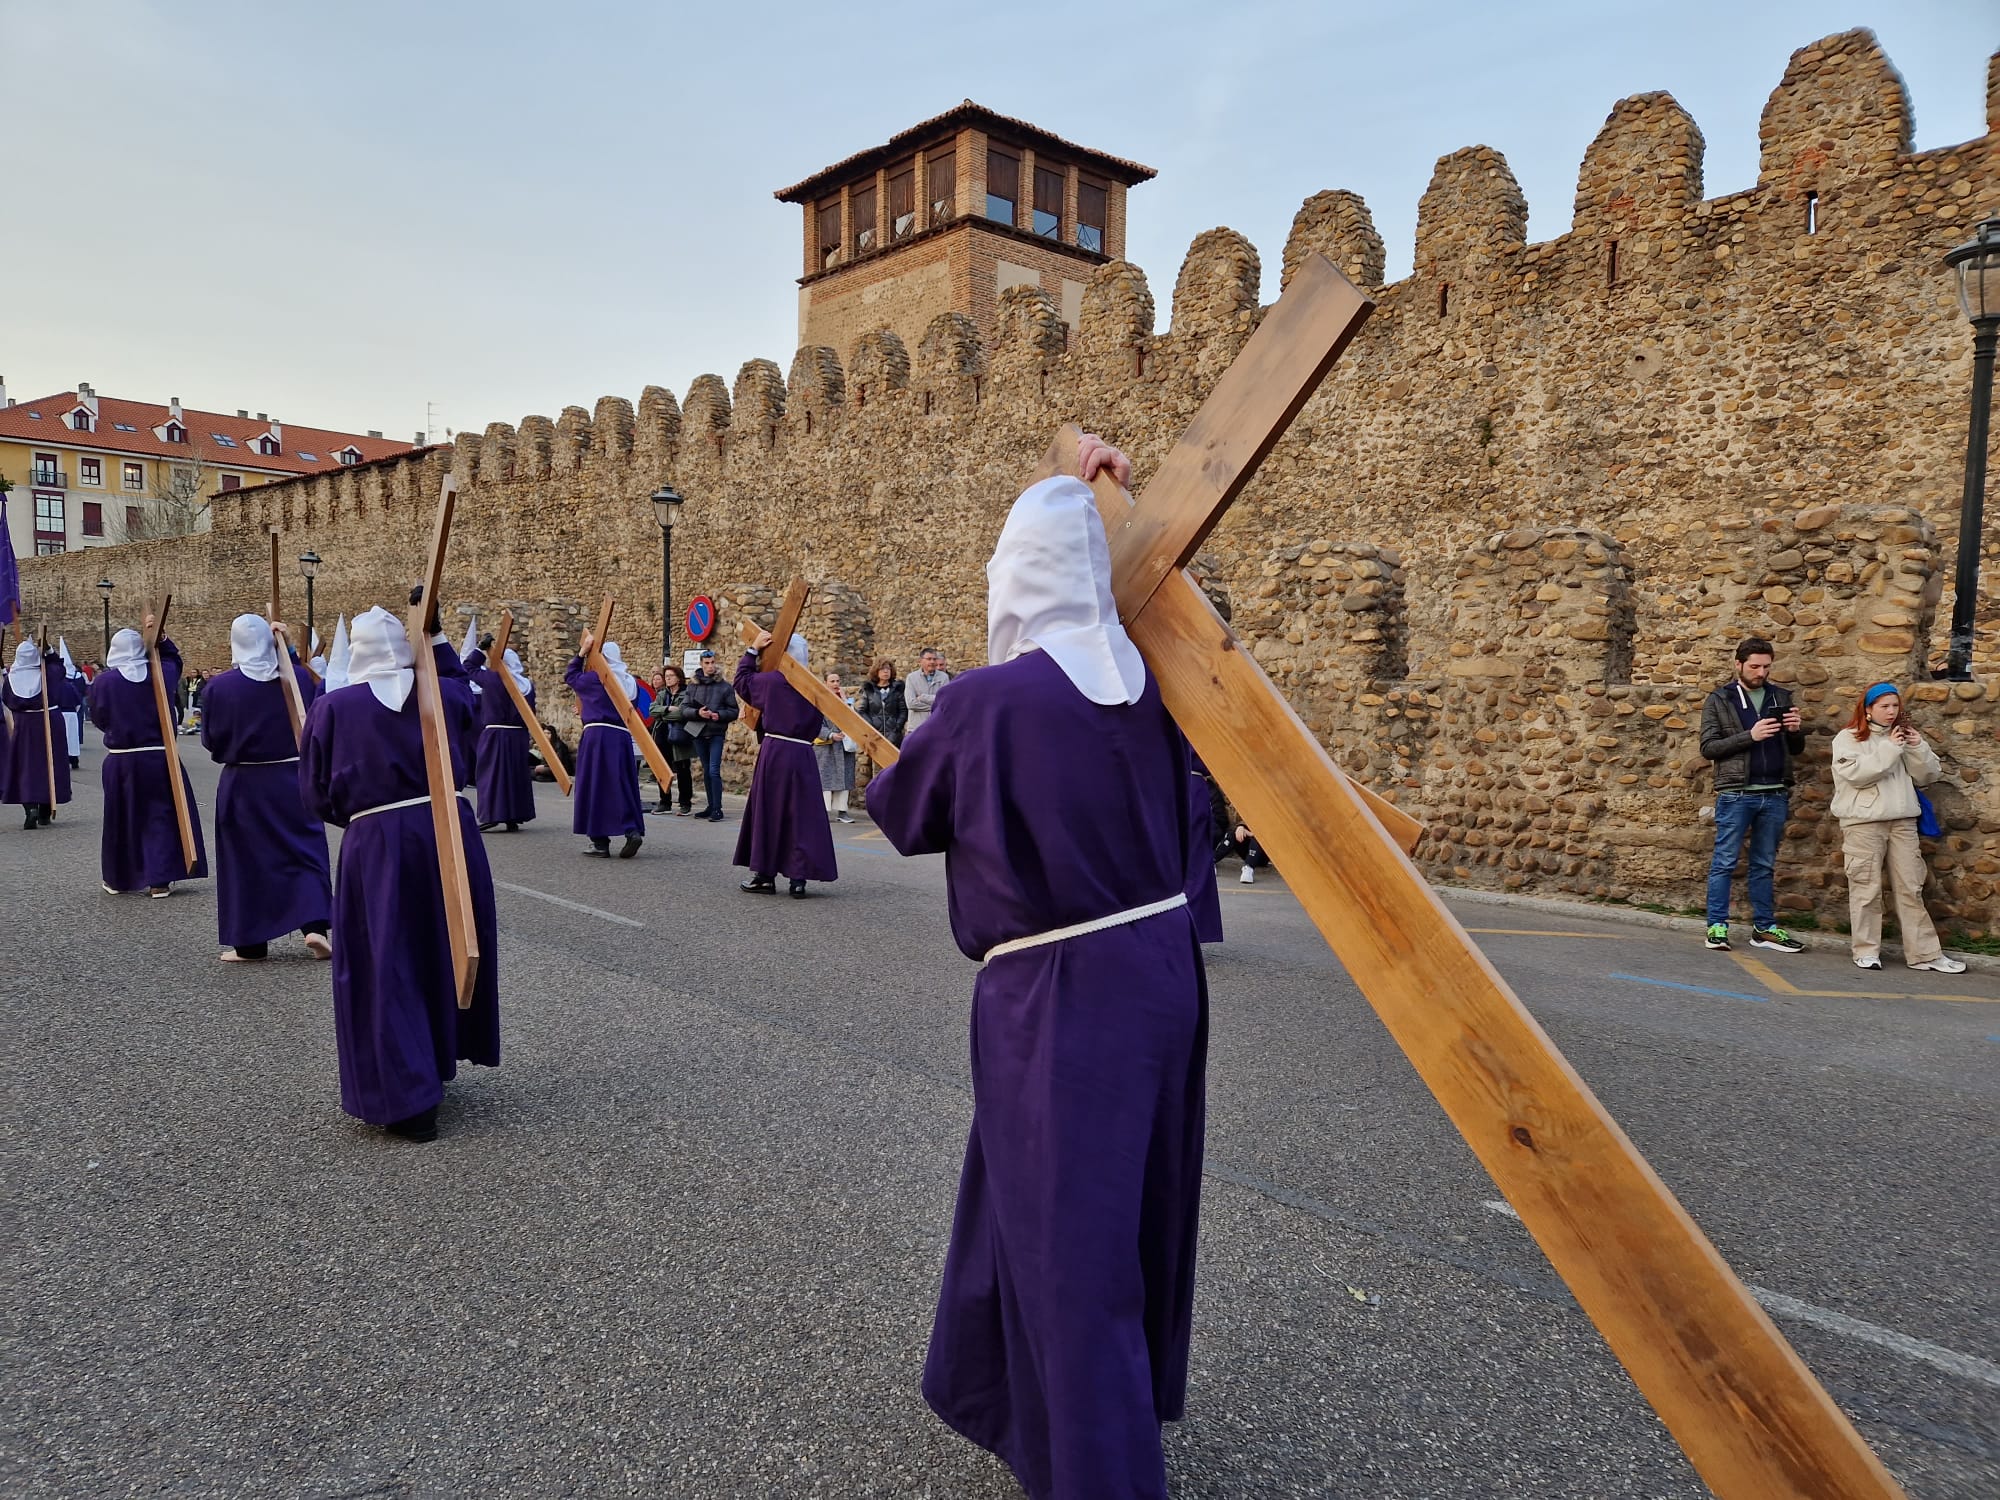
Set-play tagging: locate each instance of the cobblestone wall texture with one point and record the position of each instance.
(1497, 561)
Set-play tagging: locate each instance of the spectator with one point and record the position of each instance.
(714, 704)
(920, 689)
(1241, 844)
(835, 753)
(670, 714)
(1751, 731)
(883, 704)
(1879, 761)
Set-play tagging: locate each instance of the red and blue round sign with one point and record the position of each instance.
(700, 618)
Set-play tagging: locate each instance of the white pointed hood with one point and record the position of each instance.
(337, 655)
(380, 656)
(1049, 586)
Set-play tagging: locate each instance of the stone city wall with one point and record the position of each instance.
(1497, 561)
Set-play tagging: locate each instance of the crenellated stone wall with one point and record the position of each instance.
(1497, 561)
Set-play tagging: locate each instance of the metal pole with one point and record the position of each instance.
(309, 614)
(666, 592)
(107, 626)
(1971, 519)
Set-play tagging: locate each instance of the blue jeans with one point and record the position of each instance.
(711, 747)
(1759, 816)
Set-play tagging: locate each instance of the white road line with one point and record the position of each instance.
(1965, 1366)
(588, 911)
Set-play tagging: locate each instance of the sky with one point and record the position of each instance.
(400, 214)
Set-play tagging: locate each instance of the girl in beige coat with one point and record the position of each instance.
(1878, 764)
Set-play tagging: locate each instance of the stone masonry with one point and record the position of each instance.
(1497, 562)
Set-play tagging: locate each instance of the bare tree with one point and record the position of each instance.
(177, 504)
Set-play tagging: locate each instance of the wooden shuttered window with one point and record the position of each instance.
(1003, 185)
(1049, 182)
(829, 232)
(941, 184)
(861, 212)
(1093, 205)
(902, 201)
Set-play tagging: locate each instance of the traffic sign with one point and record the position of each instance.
(700, 618)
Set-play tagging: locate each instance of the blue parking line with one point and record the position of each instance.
(1695, 989)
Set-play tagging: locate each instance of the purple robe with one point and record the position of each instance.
(25, 772)
(784, 829)
(142, 841)
(502, 768)
(1061, 1340)
(396, 1021)
(270, 853)
(604, 789)
(1203, 898)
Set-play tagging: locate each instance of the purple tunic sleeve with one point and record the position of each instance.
(316, 765)
(910, 801)
(746, 680)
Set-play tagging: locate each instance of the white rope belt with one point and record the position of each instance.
(593, 724)
(423, 801)
(289, 760)
(789, 739)
(134, 749)
(1116, 919)
(524, 728)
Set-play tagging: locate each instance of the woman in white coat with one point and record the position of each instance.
(1878, 764)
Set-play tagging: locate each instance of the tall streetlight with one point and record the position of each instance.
(308, 570)
(666, 505)
(1977, 263)
(104, 587)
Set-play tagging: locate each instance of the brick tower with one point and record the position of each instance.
(947, 215)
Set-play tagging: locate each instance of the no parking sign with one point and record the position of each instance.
(700, 618)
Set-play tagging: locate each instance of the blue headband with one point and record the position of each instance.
(1880, 690)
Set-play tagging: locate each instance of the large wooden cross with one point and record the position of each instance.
(441, 782)
(169, 744)
(790, 608)
(1742, 1405)
(615, 691)
(521, 705)
(295, 702)
(49, 723)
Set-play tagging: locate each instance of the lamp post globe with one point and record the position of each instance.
(667, 503)
(104, 587)
(1976, 265)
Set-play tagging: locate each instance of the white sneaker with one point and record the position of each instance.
(1944, 963)
(1249, 876)
(1869, 963)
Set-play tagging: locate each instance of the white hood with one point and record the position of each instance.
(1049, 586)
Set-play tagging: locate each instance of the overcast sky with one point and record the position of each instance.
(340, 212)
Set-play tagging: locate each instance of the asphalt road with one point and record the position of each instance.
(685, 1241)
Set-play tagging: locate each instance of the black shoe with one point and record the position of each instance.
(760, 885)
(798, 890)
(75, 763)
(32, 815)
(714, 817)
(513, 827)
(488, 827)
(630, 846)
(599, 849)
(683, 813)
(1775, 938)
(660, 807)
(423, 1127)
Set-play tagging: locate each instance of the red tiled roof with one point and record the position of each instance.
(47, 421)
(968, 113)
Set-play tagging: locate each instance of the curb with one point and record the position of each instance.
(1829, 942)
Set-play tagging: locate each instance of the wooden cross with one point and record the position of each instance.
(641, 735)
(789, 609)
(1742, 1405)
(460, 925)
(168, 743)
(295, 703)
(814, 689)
(521, 706)
(49, 726)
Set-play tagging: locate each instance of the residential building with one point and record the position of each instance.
(93, 471)
(946, 216)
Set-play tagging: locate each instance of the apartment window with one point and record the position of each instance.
(80, 420)
(268, 446)
(48, 470)
(135, 523)
(349, 455)
(861, 211)
(90, 471)
(829, 233)
(93, 518)
(1093, 212)
(941, 184)
(232, 481)
(135, 476)
(176, 433)
(1048, 201)
(1003, 185)
(902, 201)
(226, 442)
(49, 524)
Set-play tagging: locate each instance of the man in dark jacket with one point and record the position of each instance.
(1751, 731)
(714, 702)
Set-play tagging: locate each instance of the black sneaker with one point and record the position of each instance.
(1775, 938)
(630, 846)
(1718, 936)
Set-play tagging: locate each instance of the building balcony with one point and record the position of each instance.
(48, 479)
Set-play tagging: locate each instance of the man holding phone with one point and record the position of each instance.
(1751, 731)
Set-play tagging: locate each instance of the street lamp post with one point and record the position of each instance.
(1977, 263)
(308, 569)
(666, 505)
(104, 587)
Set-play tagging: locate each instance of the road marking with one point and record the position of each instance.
(1765, 975)
(588, 911)
(1696, 989)
(1965, 1366)
(1538, 932)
